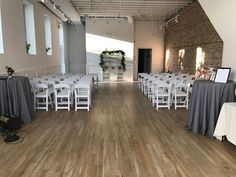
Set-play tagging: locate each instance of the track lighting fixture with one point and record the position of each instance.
(176, 19)
(65, 18)
(170, 20)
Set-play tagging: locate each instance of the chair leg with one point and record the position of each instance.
(88, 103)
(175, 101)
(75, 103)
(35, 99)
(68, 103)
(168, 102)
(47, 103)
(187, 102)
(56, 104)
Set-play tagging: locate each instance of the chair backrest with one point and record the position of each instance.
(182, 86)
(61, 86)
(69, 82)
(82, 88)
(82, 85)
(56, 80)
(162, 87)
(48, 82)
(38, 79)
(38, 87)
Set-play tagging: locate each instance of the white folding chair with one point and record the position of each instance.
(181, 95)
(82, 96)
(40, 96)
(50, 84)
(162, 95)
(62, 96)
(71, 84)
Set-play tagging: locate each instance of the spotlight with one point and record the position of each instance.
(54, 6)
(176, 19)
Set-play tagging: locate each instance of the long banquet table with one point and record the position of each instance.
(206, 101)
(16, 97)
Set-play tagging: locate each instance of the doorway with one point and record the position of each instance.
(144, 60)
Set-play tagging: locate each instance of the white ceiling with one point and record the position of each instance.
(139, 9)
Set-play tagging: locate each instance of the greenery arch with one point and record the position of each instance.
(102, 63)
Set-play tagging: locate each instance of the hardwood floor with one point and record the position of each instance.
(122, 136)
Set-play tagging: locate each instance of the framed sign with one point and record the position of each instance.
(222, 75)
(213, 75)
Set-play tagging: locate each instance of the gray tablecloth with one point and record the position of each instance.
(206, 101)
(16, 97)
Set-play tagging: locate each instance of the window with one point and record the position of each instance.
(200, 58)
(1, 38)
(181, 58)
(29, 28)
(167, 62)
(62, 50)
(181, 54)
(167, 55)
(48, 34)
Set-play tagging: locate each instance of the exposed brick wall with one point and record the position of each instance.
(193, 30)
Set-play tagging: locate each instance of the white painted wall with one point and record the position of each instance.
(148, 35)
(110, 34)
(15, 44)
(222, 14)
(76, 49)
(66, 48)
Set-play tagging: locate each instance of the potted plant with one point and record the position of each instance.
(27, 48)
(9, 71)
(48, 49)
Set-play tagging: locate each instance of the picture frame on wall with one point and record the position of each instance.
(222, 75)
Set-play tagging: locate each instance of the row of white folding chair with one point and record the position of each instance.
(147, 81)
(58, 88)
(72, 82)
(62, 96)
(164, 94)
(170, 92)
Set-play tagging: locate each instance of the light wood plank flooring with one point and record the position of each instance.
(122, 136)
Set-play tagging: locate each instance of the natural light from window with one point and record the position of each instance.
(29, 28)
(167, 56)
(181, 53)
(48, 34)
(96, 44)
(181, 58)
(199, 58)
